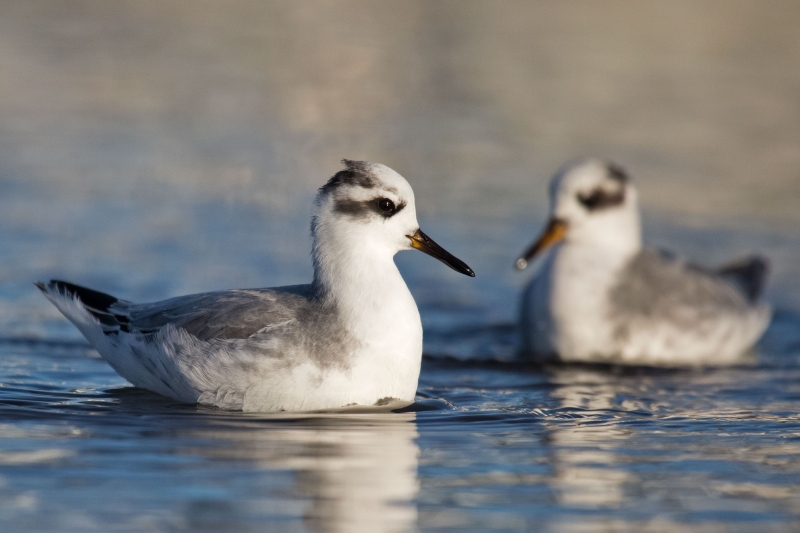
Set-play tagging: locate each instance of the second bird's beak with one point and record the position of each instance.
(425, 244)
(554, 233)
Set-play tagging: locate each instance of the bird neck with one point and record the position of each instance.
(362, 282)
(618, 235)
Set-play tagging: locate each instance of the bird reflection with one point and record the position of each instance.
(587, 473)
(609, 449)
(349, 472)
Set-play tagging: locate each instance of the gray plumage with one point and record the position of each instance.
(659, 287)
(234, 317)
(235, 314)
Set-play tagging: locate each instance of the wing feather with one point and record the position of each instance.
(222, 315)
(669, 290)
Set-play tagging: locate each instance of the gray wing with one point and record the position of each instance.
(664, 288)
(236, 314)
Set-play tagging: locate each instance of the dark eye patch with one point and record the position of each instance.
(601, 199)
(366, 208)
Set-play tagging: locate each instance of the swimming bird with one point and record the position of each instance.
(600, 296)
(352, 336)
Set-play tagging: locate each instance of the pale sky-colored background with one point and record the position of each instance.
(476, 102)
(153, 148)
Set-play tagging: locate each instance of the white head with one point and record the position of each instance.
(367, 210)
(592, 202)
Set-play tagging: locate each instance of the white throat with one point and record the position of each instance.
(360, 279)
(617, 233)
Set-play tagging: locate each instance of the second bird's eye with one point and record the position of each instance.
(386, 205)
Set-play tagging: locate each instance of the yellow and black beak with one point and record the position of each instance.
(554, 233)
(425, 244)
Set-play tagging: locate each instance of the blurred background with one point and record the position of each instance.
(153, 148)
(159, 147)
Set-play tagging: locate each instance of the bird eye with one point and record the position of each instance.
(386, 205)
(601, 199)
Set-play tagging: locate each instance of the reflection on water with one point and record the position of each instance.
(687, 461)
(593, 448)
(586, 475)
(356, 472)
(491, 447)
(89, 460)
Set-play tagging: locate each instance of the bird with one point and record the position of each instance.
(351, 337)
(600, 296)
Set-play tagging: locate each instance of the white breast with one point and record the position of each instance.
(384, 362)
(564, 308)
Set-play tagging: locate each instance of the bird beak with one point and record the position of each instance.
(425, 244)
(554, 233)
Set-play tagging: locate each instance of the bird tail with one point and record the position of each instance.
(749, 274)
(76, 301)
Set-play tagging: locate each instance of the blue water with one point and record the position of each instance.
(487, 447)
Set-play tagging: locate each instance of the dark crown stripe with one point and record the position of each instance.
(355, 174)
(616, 172)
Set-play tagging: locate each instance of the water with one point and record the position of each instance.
(156, 149)
(488, 447)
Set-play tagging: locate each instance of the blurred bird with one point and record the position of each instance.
(351, 337)
(601, 297)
